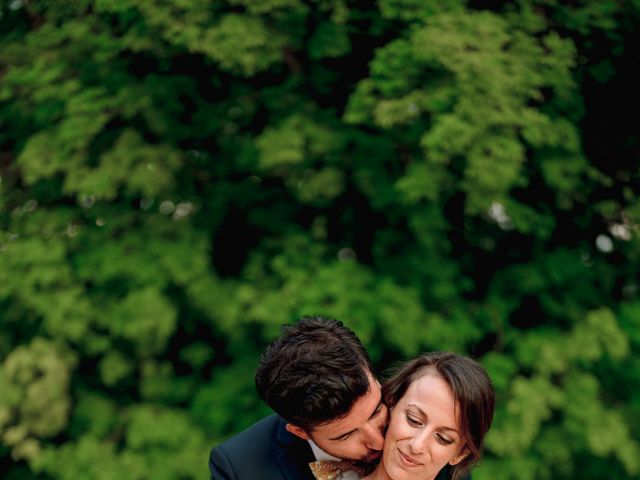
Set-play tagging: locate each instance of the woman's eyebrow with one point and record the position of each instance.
(424, 415)
(420, 411)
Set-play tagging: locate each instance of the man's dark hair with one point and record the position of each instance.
(314, 372)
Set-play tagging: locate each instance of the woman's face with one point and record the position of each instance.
(424, 433)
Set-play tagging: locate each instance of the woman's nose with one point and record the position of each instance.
(418, 443)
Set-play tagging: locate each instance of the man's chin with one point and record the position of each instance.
(369, 463)
(372, 458)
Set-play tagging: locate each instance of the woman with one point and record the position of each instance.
(441, 407)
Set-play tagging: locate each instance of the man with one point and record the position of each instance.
(318, 379)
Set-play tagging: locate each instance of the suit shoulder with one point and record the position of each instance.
(257, 436)
(261, 451)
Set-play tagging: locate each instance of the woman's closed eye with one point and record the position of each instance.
(413, 421)
(444, 440)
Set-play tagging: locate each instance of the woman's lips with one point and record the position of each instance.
(407, 460)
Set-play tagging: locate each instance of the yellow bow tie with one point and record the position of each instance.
(330, 469)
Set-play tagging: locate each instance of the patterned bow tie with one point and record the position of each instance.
(330, 469)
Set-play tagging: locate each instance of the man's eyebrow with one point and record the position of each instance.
(424, 415)
(376, 410)
(343, 434)
(338, 437)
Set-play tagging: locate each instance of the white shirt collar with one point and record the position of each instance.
(319, 453)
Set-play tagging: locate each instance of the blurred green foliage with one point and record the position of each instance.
(179, 178)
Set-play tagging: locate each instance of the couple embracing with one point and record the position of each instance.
(334, 421)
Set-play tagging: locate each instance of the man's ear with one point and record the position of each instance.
(461, 456)
(297, 431)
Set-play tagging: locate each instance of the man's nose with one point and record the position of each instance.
(375, 437)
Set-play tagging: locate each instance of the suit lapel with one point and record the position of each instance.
(294, 456)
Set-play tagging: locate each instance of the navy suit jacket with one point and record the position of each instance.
(267, 451)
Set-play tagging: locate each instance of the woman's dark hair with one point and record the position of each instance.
(314, 372)
(472, 391)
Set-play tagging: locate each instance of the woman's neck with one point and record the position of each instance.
(380, 473)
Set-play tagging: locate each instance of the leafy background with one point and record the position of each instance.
(180, 177)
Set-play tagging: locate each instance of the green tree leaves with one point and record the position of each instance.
(35, 402)
(180, 178)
